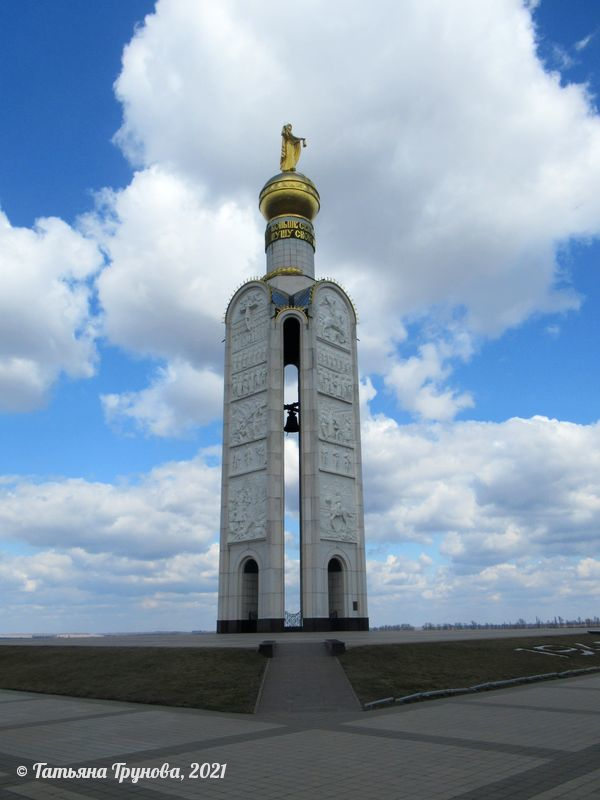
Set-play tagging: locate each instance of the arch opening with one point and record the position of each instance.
(292, 519)
(249, 596)
(335, 588)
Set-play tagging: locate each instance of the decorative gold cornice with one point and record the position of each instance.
(282, 271)
(280, 311)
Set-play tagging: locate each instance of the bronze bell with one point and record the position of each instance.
(291, 423)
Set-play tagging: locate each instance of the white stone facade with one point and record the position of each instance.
(252, 519)
(288, 317)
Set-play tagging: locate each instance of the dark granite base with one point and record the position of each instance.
(310, 625)
(317, 624)
(249, 626)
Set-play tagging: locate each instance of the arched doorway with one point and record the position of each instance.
(249, 596)
(335, 587)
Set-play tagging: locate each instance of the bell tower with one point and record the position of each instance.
(289, 317)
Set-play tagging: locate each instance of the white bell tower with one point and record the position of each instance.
(289, 317)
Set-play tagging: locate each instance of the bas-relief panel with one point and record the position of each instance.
(248, 457)
(249, 319)
(333, 320)
(338, 508)
(250, 357)
(332, 359)
(336, 459)
(335, 385)
(248, 420)
(249, 382)
(336, 422)
(248, 507)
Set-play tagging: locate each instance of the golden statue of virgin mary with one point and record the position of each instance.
(290, 149)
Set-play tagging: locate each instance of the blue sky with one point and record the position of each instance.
(456, 152)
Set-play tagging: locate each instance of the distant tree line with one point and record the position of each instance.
(557, 622)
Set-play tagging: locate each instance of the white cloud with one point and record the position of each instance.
(581, 44)
(506, 517)
(174, 509)
(179, 398)
(175, 257)
(97, 556)
(418, 384)
(45, 322)
(488, 493)
(450, 165)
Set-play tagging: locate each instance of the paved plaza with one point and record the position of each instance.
(536, 742)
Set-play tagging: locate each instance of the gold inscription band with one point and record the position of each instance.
(289, 229)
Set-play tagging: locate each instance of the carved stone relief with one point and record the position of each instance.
(336, 459)
(338, 509)
(248, 420)
(334, 384)
(333, 322)
(248, 507)
(332, 359)
(249, 382)
(250, 357)
(336, 423)
(249, 319)
(248, 457)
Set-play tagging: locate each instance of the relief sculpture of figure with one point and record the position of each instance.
(290, 149)
(332, 321)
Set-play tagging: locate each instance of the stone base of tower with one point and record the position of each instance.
(309, 625)
(323, 624)
(249, 626)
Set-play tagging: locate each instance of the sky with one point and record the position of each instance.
(456, 148)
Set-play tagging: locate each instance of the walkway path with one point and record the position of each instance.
(305, 678)
(536, 742)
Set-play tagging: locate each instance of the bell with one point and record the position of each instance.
(291, 423)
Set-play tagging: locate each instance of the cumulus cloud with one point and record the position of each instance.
(175, 257)
(449, 161)
(173, 509)
(54, 591)
(504, 518)
(46, 326)
(487, 492)
(418, 383)
(97, 556)
(451, 165)
(179, 398)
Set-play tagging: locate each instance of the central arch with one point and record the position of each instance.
(335, 590)
(249, 595)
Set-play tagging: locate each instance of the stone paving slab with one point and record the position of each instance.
(45, 708)
(456, 719)
(146, 729)
(496, 746)
(576, 789)
(312, 763)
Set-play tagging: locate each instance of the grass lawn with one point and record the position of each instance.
(395, 670)
(220, 679)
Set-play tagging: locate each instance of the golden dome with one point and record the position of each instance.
(289, 193)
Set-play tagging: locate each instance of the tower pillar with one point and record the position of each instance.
(290, 317)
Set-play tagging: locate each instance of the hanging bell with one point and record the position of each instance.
(291, 423)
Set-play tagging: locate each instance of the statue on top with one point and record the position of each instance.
(290, 149)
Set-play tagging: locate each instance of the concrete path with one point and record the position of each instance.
(537, 742)
(305, 678)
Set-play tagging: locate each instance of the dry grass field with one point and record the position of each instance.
(378, 671)
(222, 679)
